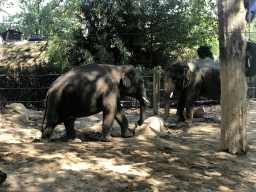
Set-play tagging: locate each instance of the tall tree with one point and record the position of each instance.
(147, 31)
(233, 81)
(48, 17)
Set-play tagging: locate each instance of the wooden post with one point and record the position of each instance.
(156, 93)
(232, 71)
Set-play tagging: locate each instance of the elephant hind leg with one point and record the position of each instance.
(123, 122)
(70, 129)
(52, 121)
(108, 120)
(109, 112)
(48, 130)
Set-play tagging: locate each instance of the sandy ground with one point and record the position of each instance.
(188, 160)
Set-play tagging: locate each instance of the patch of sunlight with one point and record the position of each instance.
(214, 173)
(108, 164)
(182, 168)
(128, 169)
(154, 182)
(199, 175)
(184, 147)
(142, 153)
(224, 188)
(48, 179)
(252, 147)
(173, 159)
(52, 156)
(76, 167)
(201, 130)
(14, 141)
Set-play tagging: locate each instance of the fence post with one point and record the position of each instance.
(156, 93)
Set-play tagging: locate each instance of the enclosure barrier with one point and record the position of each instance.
(34, 97)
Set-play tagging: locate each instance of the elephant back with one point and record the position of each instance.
(203, 64)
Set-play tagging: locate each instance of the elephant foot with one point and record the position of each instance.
(128, 133)
(182, 119)
(45, 140)
(189, 121)
(106, 139)
(47, 133)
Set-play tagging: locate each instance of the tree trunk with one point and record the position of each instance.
(233, 81)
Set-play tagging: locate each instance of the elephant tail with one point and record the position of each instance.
(44, 113)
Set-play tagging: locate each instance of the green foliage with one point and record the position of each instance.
(77, 56)
(147, 31)
(148, 71)
(56, 53)
(54, 18)
(103, 56)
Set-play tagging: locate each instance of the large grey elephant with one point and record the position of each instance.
(193, 78)
(90, 89)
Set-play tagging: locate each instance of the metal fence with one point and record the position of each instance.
(32, 93)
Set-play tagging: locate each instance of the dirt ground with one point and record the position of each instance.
(188, 160)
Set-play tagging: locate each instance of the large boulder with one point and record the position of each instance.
(18, 111)
(151, 128)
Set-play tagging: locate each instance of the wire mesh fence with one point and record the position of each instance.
(31, 91)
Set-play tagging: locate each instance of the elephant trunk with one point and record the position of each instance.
(168, 89)
(143, 105)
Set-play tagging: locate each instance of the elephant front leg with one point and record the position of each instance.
(181, 106)
(189, 113)
(191, 96)
(123, 122)
(190, 105)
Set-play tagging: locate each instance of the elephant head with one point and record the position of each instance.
(177, 76)
(132, 85)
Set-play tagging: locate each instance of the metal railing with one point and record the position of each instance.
(35, 96)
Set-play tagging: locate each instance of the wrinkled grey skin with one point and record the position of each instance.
(193, 78)
(90, 89)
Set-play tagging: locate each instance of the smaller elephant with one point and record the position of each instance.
(90, 89)
(193, 78)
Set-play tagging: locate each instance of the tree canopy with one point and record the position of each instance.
(139, 32)
(147, 31)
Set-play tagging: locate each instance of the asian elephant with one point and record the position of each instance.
(193, 78)
(90, 89)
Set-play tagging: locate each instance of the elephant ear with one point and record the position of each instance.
(127, 77)
(187, 75)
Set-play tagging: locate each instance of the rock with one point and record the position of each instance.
(151, 128)
(18, 108)
(3, 176)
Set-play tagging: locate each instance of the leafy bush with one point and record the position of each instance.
(103, 56)
(77, 56)
(149, 72)
(56, 52)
